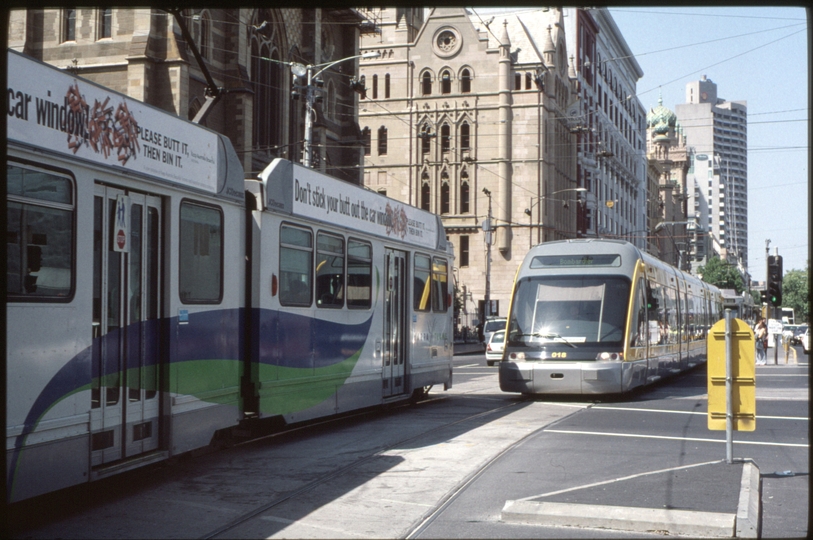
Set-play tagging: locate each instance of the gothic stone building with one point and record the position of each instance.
(246, 52)
(466, 117)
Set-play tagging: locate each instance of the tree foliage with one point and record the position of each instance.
(796, 294)
(722, 275)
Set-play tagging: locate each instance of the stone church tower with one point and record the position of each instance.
(465, 116)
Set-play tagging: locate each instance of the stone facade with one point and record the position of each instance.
(667, 151)
(610, 120)
(467, 118)
(142, 53)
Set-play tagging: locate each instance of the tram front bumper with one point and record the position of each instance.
(560, 377)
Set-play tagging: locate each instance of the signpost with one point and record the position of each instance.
(731, 379)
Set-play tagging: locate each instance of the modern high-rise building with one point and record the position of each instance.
(717, 129)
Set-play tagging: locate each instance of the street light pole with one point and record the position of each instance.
(488, 230)
(529, 213)
(302, 70)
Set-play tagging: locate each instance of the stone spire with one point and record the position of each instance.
(550, 49)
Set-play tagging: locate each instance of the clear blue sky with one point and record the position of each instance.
(754, 54)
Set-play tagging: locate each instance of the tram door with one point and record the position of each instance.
(126, 316)
(395, 323)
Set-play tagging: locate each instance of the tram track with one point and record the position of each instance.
(361, 461)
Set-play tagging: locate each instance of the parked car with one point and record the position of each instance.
(796, 339)
(495, 347)
(491, 325)
(805, 340)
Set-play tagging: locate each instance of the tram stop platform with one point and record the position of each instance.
(714, 499)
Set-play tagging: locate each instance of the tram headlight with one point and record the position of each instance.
(517, 356)
(610, 357)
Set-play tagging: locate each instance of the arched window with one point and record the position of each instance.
(444, 193)
(528, 79)
(387, 86)
(464, 193)
(375, 86)
(382, 141)
(426, 84)
(365, 140)
(267, 100)
(465, 139)
(446, 82)
(268, 97)
(465, 81)
(194, 107)
(517, 81)
(330, 111)
(425, 137)
(425, 193)
(445, 138)
(202, 33)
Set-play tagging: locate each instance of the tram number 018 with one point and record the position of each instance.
(558, 355)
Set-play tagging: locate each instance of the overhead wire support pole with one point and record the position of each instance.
(301, 70)
(213, 92)
(489, 238)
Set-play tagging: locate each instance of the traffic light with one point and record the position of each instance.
(774, 285)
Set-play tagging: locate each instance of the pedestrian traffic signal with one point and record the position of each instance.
(774, 285)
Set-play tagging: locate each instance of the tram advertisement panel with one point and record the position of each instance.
(52, 109)
(317, 196)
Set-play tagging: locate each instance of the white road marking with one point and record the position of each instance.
(638, 409)
(614, 480)
(667, 438)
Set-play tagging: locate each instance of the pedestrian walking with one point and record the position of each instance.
(761, 337)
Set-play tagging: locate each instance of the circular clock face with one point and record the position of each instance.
(704, 95)
(447, 42)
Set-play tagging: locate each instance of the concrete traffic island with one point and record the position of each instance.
(649, 518)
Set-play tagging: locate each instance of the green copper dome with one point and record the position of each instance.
(660, 120)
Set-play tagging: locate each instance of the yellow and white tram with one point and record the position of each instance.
(599, 316)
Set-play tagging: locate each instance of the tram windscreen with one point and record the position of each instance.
(575, 311)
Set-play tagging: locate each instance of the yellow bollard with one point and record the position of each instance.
(786, 346)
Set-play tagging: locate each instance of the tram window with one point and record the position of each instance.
(359, 274)
(329, 271)
(295, 266)
(40, 222)
(638, 325)
(201, 254)
(440, 285)
(421, 284)
(671, 315)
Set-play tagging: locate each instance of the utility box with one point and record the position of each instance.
(743, 377)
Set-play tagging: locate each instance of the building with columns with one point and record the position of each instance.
(246, 52)
(467, 117)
